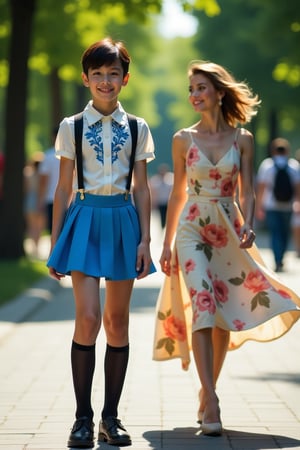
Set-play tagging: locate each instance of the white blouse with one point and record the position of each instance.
(106, 148)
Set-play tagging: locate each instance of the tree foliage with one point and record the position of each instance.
(259, 42)
(60, 29)
(40, 51)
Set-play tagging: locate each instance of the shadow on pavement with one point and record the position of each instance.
(286, 377)
(185, 438)
(45, 305)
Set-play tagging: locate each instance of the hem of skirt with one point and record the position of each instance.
(109, 277)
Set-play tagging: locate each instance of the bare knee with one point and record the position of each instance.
(87, 326)
(116, 328)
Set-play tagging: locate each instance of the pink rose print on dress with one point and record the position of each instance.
(220, 290)
(195, 316)
(283, 293)
(205, 302)
(256, 282)
(192, 292)
(189, 265)
(175, 330)
(227, 187)
(215, 174)
(209, 274)
(193, 156)
(239, 325)
(213, 236)
(234, 170)
(194, 212)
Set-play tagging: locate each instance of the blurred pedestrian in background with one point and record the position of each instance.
(161, 186)
(48, 178)
(34, 218)
(275, 208)
(295, 221)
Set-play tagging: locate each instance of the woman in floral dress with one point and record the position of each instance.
(218, 293)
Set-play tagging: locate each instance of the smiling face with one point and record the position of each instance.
(105, 83)
(202, 94)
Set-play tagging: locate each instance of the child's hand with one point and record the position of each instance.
(143, 261)
(56, 275)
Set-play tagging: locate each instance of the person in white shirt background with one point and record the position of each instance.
(277, 214)
(48, 178)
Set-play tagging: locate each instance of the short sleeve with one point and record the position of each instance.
(145, 144)
(65, 142)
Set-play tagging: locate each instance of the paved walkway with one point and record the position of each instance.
(259, 388)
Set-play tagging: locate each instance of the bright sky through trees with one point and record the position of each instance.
(174, 22)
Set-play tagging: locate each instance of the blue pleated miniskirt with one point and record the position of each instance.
(99, 238)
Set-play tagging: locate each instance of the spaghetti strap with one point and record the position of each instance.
(236, 135)
(191, 137)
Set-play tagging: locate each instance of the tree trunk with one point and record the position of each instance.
(12, 218)
(56, 98)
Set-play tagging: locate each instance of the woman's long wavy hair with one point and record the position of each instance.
(239, 104)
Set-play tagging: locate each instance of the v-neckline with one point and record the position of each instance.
(233, 145)
(219, 160)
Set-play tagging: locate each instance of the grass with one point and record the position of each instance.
(18, 275)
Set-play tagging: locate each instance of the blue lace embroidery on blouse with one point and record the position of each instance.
(120, 136)
(94, 137)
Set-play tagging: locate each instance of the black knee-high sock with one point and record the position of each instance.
(115, 366)
(83, 366)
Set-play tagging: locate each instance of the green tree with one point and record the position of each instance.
(23, 13)
(60, 28)
(11, 229)
(258, 41)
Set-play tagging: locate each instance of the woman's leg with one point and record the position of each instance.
(202, 343)
(220, 341)
(87, 325)
(220, 346)
(116, 321)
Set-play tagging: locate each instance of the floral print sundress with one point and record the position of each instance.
(216, 283)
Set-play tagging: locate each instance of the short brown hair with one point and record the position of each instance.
(104, 53)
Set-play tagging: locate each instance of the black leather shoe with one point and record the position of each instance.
(113, 432)
(82, 433)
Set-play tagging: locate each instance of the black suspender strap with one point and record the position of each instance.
(78, 124)
(134, 134)
(78, 127)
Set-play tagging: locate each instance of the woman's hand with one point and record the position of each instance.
(247, 236)
(165, 260)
